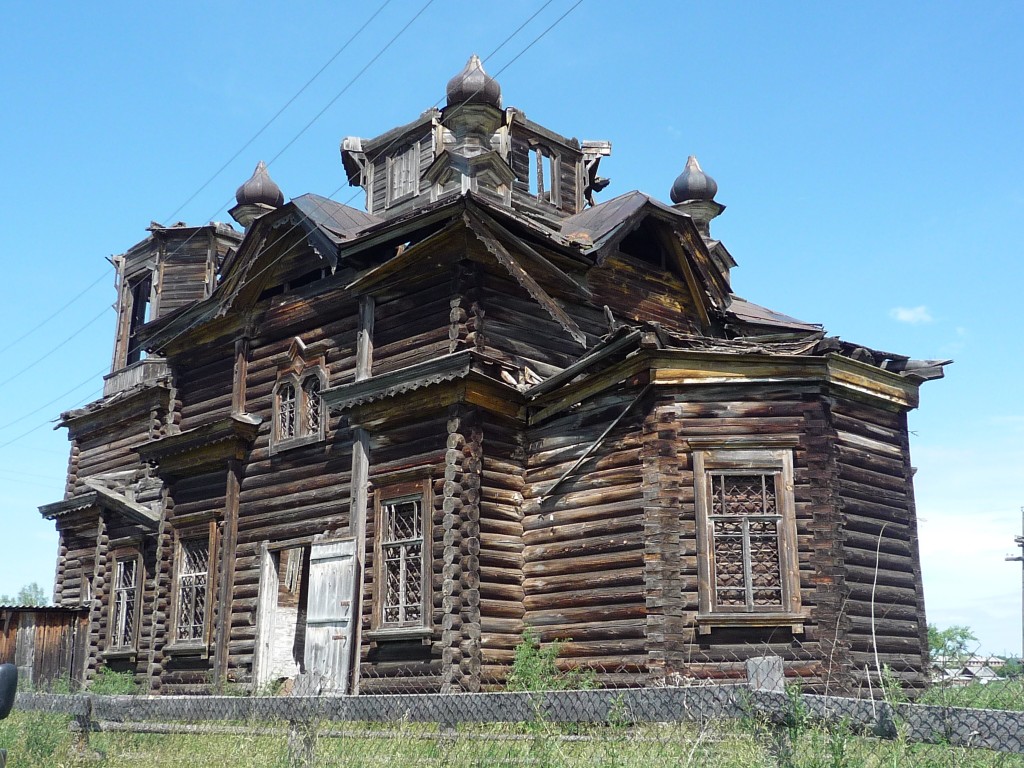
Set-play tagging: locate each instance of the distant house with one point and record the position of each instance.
(367, 449)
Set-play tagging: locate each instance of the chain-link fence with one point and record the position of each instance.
(752, 713)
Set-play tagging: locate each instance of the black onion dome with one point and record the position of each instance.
(693, 184)
(260, 189)
(473, 86)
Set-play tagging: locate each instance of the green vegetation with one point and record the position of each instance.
(998, 694)
(39, 739)
(30, 594)
(107, 682)
(951, 645)
(534, 668)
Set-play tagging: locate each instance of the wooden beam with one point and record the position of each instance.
(521, 276)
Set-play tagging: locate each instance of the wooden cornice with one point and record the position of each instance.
(433, 383)
(100, 496)
(839, 375)
(202, 447)
(115, 409)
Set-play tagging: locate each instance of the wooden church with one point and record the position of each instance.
(365, 450)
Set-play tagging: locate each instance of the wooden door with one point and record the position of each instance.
(329, 625)
(266, 609)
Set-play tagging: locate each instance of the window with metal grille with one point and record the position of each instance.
(312, 404)
(126, 590)
(285, 411)
(747, 552)
(401, 549)
(745, 532)
(193, 575)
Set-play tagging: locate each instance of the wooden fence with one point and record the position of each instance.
(46, 644)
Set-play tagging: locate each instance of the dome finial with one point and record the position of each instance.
(260, 189)
(693, 184)
(473, 86)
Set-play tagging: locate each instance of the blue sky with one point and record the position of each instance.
(870, 156)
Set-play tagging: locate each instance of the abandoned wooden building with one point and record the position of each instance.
(367, 449)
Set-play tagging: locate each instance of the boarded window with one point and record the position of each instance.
(746, 532)
(193, 577)
(403, 173)
(125, 598)
(402, 560)
(745, 528)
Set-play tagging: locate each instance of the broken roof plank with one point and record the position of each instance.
(521, 276)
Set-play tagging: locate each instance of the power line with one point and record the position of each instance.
(277, 114)
(220, 170)
(53, 315)
(53, 350)
(303, 217)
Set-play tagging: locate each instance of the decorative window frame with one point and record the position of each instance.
(123, 556)
(298, 373)
(408, 155)
(768, 456)
(387, 492)
(207, 534)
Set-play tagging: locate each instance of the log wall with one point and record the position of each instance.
(879, 543)
(720, 411)
(583, 541)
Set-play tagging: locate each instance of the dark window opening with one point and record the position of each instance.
(542, 179)
(644, 243)
(140, 307)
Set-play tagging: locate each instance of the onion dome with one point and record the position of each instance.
(693, 184)
(474, 86)
(260, 189)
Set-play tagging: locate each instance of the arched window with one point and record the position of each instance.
(312, 404)
(285, 411)
(299, 416)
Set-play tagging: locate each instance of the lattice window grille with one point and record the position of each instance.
(193, 575)
(286, 411)
(313, 403)
(402, 554)
(125, 596)
(745, 528)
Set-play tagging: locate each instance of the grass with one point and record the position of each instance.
(38, 739)
(998, 694)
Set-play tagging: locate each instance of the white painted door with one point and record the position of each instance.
(266, 610)
(329, 624)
